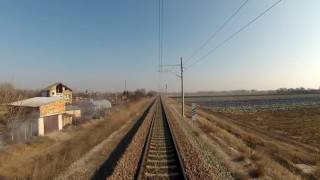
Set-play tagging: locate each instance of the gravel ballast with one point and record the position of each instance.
(197, 163)
(127, 166)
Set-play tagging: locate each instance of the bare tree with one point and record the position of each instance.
(15, 118)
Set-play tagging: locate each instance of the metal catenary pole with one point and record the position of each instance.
(166, 89)
(182, 88)
(182, 91)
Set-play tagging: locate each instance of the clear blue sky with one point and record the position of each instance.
(98, 44)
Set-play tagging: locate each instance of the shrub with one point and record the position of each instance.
(255, 173)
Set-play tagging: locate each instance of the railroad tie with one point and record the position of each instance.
(164, 175)
(162, 151)
(161, 156)
(162, 167)
(162, 161)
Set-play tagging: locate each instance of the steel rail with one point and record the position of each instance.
(160, 157)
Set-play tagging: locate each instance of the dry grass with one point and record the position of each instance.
(248, 153)
(284, 156)
(50, 156)
(300, 125)
(257, 136)
(239, 158)
(317, 170)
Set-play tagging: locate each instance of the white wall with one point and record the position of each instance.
(41, 127)
(60, 125)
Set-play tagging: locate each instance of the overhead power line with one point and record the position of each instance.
(162, 28)
(160, 40)
(217, 31)
(159, 35)
(234, 34)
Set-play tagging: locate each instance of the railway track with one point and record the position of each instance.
(160, 158)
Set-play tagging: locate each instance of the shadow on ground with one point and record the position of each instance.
(107, 168)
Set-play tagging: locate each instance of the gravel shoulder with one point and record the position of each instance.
(198, 159)
(127, 166)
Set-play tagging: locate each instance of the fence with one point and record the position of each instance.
(23, 129)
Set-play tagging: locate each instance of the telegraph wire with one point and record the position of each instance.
(234, 34)
(217, 31)
(162, 28)
(160, 40)
(159, 46)
(159, 35)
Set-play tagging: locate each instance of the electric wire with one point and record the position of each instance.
(217, 31)
(234, 34)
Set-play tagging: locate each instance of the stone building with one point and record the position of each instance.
(50, 111)
(58, 90)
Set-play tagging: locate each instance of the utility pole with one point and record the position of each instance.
(182, 91)
(166, 89)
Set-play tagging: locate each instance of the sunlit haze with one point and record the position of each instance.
(97, 45)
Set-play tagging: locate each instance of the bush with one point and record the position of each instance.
(140, 93)
(255, 173)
